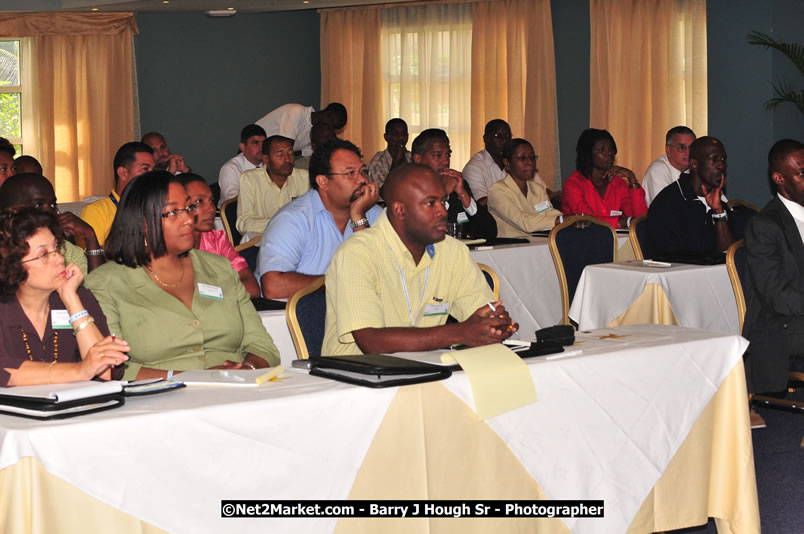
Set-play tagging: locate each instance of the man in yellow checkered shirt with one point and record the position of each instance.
(391, 287)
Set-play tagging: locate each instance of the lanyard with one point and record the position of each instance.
(114, 200)
(405, 287)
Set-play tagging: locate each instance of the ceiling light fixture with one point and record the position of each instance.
(231, 12)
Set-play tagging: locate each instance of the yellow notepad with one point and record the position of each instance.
(499, 378)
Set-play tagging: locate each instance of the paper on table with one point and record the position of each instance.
(223, 377)
(63, 392)
(499, 378)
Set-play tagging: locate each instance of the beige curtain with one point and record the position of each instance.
(350, 72)
(427, 71)
(647, 73)
(83, 107)
(513, 76)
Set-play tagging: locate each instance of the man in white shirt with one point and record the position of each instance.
(396, 154)
(263, 191)
(667, 168)
(486, 168)
(250, 157)
(294, 121)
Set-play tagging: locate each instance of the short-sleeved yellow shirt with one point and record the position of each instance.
(365, 288)
(100, 215)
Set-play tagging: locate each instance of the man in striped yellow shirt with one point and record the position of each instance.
(391, 287)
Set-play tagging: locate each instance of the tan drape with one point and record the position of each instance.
(84, 108)
(647, 73)
(350, 72)
(513, 76)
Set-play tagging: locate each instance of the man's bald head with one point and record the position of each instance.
(27, 189)
(401, 179)
(26, 164)
(699, 149)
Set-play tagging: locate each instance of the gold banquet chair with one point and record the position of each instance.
(305, 314)
(579, 241)
(638, 236)
(492, 279)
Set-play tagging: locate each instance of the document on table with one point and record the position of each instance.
(229, 377)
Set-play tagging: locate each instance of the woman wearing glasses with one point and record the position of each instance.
(51, 331)
(180, 308)
(518, 203)
(600, 188)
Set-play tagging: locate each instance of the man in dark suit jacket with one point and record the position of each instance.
(774, 247)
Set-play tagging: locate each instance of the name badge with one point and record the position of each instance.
(60, 320)
(442, 308)
(615, 213)
(210, 292)
(542, 206)
(463, 217)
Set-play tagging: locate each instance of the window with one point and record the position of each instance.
(11, 92)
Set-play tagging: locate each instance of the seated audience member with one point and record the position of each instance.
(394, 155)
(51, 329)
(431, 148)
(180, 308)
(7, 153)
(390, 288)
(320, 134)
(263, 191)
(165, 161)
(36, 191)
(300, 239)
(250, 157)
(206, 238)
(294, 121)
(26, 165)
(691, 216)
(668, 167)
(774, 257)
(518, 203)
(131, 160)
(487, 167)
(600, 188)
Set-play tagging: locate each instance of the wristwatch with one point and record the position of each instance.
(359, 223)
(724, 216)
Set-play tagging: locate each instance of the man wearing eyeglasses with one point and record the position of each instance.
(35, 191)
(431, 148)
(266, 189)
(301, 238)
(668, 167)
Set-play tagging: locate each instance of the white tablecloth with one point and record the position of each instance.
(701, 296)
(276, 325)
(605, 426)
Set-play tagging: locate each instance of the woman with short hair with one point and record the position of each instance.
(180, 308)
(600, 188)
(51, 329)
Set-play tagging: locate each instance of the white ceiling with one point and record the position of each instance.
(158, 6)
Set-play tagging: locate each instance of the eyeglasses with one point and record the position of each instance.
(681, 147)
(44, 257)
(532, 159)
(351, 175)
(189, 210)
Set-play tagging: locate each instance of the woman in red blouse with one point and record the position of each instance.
(600, 188)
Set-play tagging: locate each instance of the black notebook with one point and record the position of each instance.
(59, 401)
(376, 370)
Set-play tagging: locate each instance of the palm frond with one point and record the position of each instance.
(785, 93)
(794, 51)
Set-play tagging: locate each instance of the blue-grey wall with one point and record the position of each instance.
(202, 79)
(740, 78)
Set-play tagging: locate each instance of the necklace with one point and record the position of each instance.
(28, 347)
(164, 284)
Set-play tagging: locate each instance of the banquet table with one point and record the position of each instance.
(650, 419)
(697, 296)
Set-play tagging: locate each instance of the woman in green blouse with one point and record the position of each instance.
(178, 308)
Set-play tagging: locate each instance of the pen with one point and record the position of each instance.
(490, 305)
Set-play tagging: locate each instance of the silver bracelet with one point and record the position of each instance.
(83, 325)
(95, 252)
(359, 223)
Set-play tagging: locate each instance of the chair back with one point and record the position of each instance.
(742, 204)
(249, 251)
(492, 279)
(638, 236)
(735, 265)
(577, 242)
(229, 219)
(305, 313)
